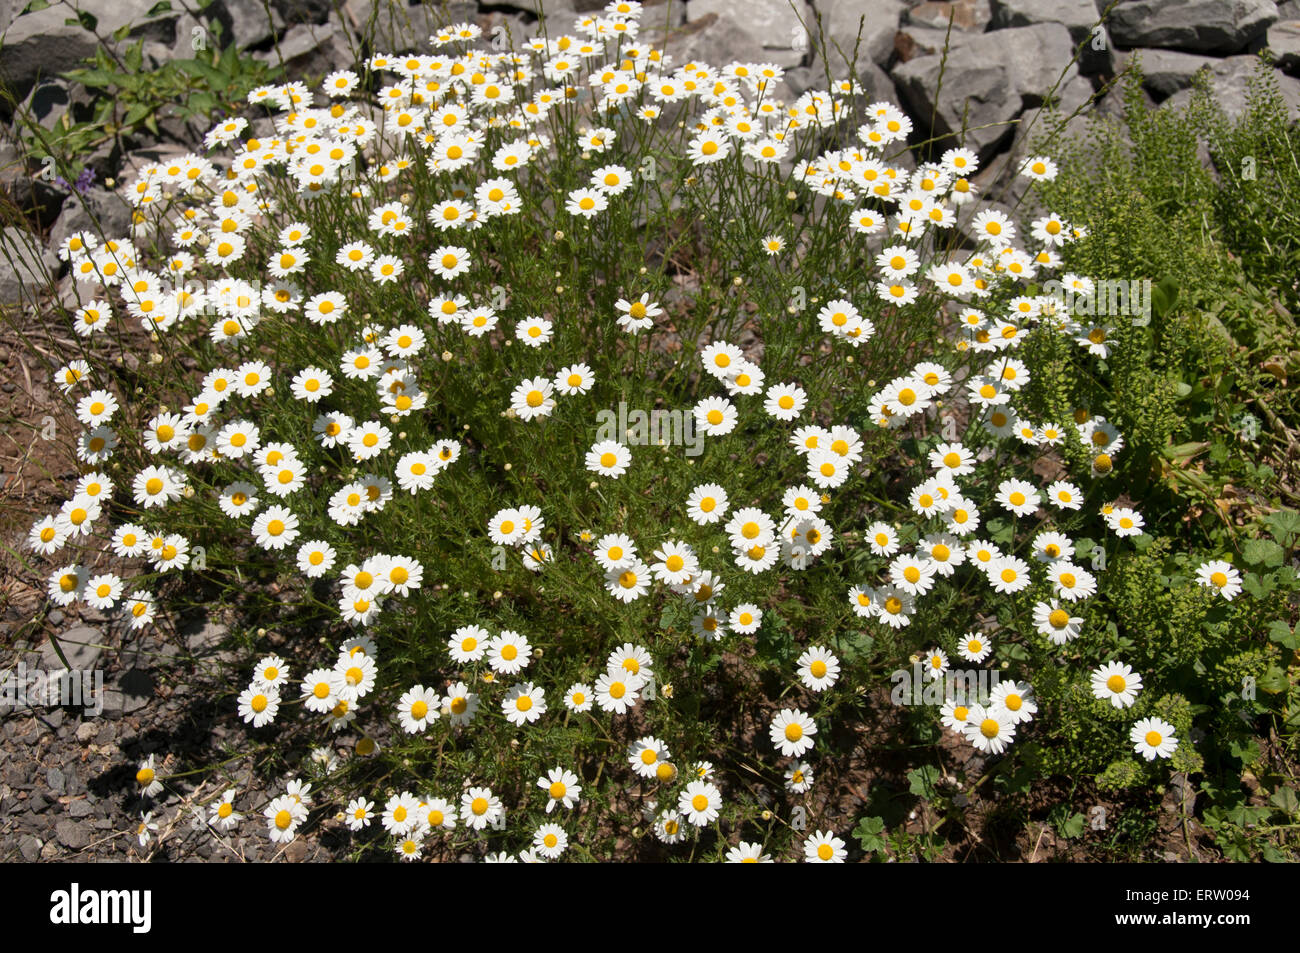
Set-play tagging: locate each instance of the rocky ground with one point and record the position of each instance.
(67, 787)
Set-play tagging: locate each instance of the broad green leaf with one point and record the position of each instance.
(1280, 632)
(1284, 798)
(921, 781)
(1284, 525)
(870, 834)
(1274, 681)
(1263, 552)
(1073, 826)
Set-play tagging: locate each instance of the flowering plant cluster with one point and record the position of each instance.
(380, 324)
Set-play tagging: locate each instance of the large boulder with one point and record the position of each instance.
(245, 21)
(1165, 72)
(98, 210)
(394, 26)
(966, 16)
(1081, 19)
(775, 31)
(1207, 26)
(312, 50)
(1229, 82)
(842, 20)
(1041, 131)
(26, 269)
(43, 43)
(988, 80)
(1284, 42)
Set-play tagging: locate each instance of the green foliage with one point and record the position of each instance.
(128, 99)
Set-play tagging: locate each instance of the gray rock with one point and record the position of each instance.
(136, 688)
(42, 44)
(988, 80)
(1229, 83)
(81, 646)
(534, 6)
(1164, 72)
(81, 808)
(1039, 131)
(878, 21)
(1284, 42)
(30, 848)
(51, 100)
(875, 82)
(37, 802)
(967, 16)
(102, 211)
(26, 269)
(765, 30)
(302, 11)
(1290, 10)
(1209, 26)
(309, 49)
(392, 25)
(72, 835)
(912, 41)
(15, 180)
(1081, 19)
(56, 782)
(245, 21)
(203, 636)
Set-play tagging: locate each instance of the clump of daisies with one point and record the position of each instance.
(400, 346)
